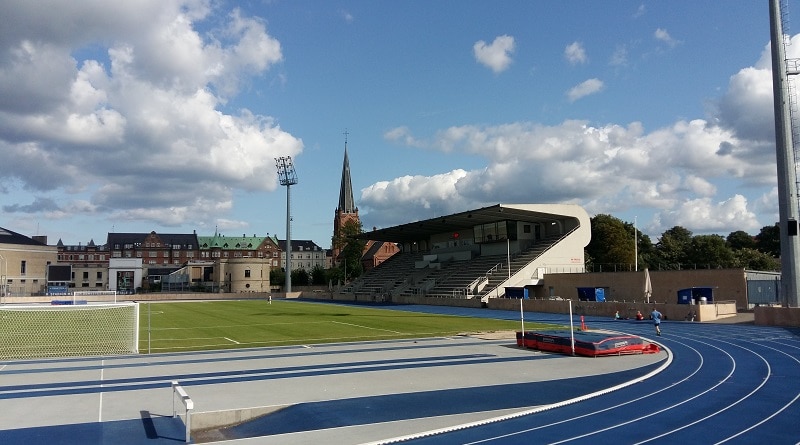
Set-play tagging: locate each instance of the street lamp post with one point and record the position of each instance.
(287, 177)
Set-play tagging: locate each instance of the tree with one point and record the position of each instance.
(709, 251)
(611, 243)
(673, 247)
(277, 277)
(645, 249)
(352, 249)
(334, 275)
(768, 240)
(740, 240)
(351, 261)
(318, 277)
(753, 259)
(300, 277)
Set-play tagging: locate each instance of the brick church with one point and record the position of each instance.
(375, 252)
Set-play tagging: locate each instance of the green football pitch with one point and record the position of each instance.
(194, 326)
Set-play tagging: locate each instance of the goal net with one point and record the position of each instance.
(105, 296)
(70, 330)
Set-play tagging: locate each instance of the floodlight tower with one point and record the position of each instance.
(787, 167)
(3, 275)
(287, 177)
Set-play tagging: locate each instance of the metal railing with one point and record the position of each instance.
(188, 406)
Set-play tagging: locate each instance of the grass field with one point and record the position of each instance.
(193, 326)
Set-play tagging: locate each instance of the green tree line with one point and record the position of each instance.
(619, 246)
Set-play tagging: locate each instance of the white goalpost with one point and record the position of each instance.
(33, 331)
(107, 295)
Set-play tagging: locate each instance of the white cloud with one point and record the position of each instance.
(663, 36)
(496, 56)
(392, 201)
(674, 170)
(706, 216)
(402, 135)
(620, 56)
(144, 109)
(347, 16)
(584, 89)
(575, 53)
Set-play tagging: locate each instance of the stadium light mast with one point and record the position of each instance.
(3, 279)
(785, 156)
(288, 178)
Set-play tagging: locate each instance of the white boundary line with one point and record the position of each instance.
(100, 408)
(365, 327)
(539, 409)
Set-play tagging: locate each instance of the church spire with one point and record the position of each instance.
(346, 202)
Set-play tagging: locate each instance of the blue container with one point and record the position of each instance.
(694, 295)
(592, 294)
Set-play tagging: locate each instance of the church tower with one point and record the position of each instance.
(346, 210)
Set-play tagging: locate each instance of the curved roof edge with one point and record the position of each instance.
(534, 213)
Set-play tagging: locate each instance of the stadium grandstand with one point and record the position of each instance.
(482, 253)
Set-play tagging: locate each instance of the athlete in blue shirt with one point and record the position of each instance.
(656, 316)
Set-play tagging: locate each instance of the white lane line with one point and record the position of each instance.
(712, 388)
(763, 382)
(100, 409)
(773, 414)
(594, 413)
(231, 340)
(366, 327)
(542, 408)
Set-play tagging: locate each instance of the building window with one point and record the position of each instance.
(23, 265)
(247, 273)
(86, 275)
(99, 275)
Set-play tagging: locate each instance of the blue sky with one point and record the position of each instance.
(167, 115)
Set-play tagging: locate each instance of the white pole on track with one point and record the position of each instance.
(571, 329)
